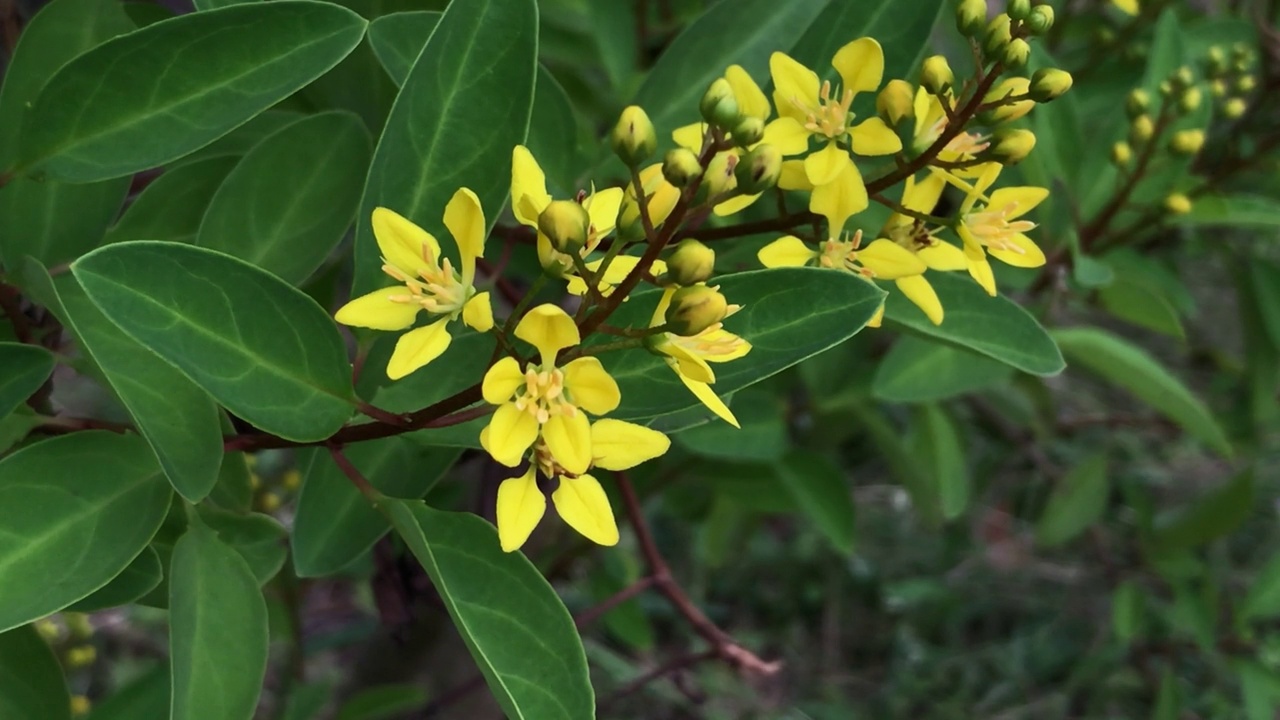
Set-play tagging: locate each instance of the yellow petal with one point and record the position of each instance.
(510, 433)
(987, 175)
(402, 243)
(839, 200)
(689, 136)
(465, 219)
(734, 346)
(569, 440)
(877, 318)
(660, 312)
(792, 176)
(889, 260)
(795, 87)
(478, 312)
(787, 135)
(860, 64)
(707, 397)
(584, 506)
(1129, 7)
(923, 196)
(751, 99)
(735, 205)
(529, 196)
(501, 381)
(919, 291)
(826, 165)
(619, 445)
(788, 251)
(943, 256)
(928, 111)
(618, 269)
(521, 505)
(417, 348)
(549, 329)
(1019, 200)
(602, 208)
(590, 387)
(688, 364)
(980, 270)
(1027, 254)
(378, 311)
(872, 137)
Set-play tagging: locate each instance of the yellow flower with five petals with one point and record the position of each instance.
(992, 224)
(529, 197)
(690, 357)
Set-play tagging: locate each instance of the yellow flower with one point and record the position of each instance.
(546, 402)
(662, 198)
(690, 356)
(1129, 7)
(931, 122)
(619, 268)
(428, 282)
(579, 499)
(990, 225)
(912, 234)
(529, 197)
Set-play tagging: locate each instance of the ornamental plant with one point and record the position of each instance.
(338, 332)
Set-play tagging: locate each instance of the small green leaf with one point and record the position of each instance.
(222, 67)
(1216, 514)
(514, 624)
(398, 38)
(143, 699)
(62, 538)
(31, 682)
(1259, 689)
(1129, 366)
(23, 369)
(938, 445)
(823, 494)
(992, 326)
(919, 370)
(171, 207)
(383, 702)
(1078, 501)
(261, 348)
(1127, 611)
(217, 630)
(1263, 599)
(141, 577)
(1169, 700)
(1141, 305)
(259, 539)
(289, 202)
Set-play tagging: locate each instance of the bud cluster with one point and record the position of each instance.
(1231, 79)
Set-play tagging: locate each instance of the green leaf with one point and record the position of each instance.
(398, 38)
(1263, 598)
(1260, 690)
(762, 438)
(519, 633)
(613, 29)
(1166, 54)
(23, 369)
(291, 199)
(991, 326)
(937, 443)
(259, 539)
(31, 682)
(920, 370)
(382, 702)
(1124, 364)
(554, 133)
(1264, 282)
(788, 314)
(1169, 700)
(1142, 305)
(171, 207)
(335, 524)
(1127, 610)
(217, 630)
(463, 107)
(823, 494)
(222, 67)
(1232, 211)
(1078, 501)
(902, 27)
(62, 538)
(1208, 518)
(245, 137)
(144, 698)
(141, 577)
(261, 348)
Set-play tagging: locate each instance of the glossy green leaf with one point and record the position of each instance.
(1232, 211)
(259, 539)
(217, 630)
(215, 4)
(762, 437)
(234, 488)
(245, 137)
(1078, 501)
(62, 538)
(222, 68)
(1141, 305)
(822, 492)
(463, 107)
(261, 348)
(519, 633)
(140, 577)
(335, 524)
(1120, 362)
(23, 369)
(143, 699)
(992, 326)
(1263, 599)
(171, 207)
(31, 682)
(1208, 518)
(554, 133)
(920, 370)
(291, 199)
(937, 443)
(613, 29)
(902, 27)
(383, 702)
(398, 38)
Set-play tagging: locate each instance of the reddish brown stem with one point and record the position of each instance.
(595, 612)
(670, 667)
(353, 474)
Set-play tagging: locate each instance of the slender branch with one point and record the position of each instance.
(672, 666)
(504, 286)
(904, 210)
(450, 697)
(1091, 232)
(59, 424)
(353, 474)
(381, 415)
(595, 612)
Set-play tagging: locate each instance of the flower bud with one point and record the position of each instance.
(936, 75)
(1011, 146)
(971, 17)
(759, 169)
(80, 705)
(48, 630)
(1018, 9)
(1234, 108)
(1217, 60)
(896, 103)
(1138, 102)
(694, 309)
(633, 137)
(1040, 20)
(681, 167)
(1016, 54)
(999, 33)
(691, 263)
(1007, 88)
(1121, 154)
(1218, 88)
(1177, 204)
(1141, 129)
(719, 106)
(1049, 84)
(1246, 84)
(566, 224)
(1186, 142)
(748, 131)
(78, 624)
(1190, 100)
(81, 656)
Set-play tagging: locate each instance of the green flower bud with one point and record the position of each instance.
(78, 624)
(1186, 142)
(680, 167)
(936, 75)
(1016, 54)
(896, 103)
(1018, 9)
(1011, 146)
(1246, 84)
(758, 170)
(1190, 100)
(633, 137)
(1138, 102)
(719, 107)
(566, 224)
(1121, 154)
(1141, 129)
(971, 17)
(1104, 35)
(999, 34)
(748, 131)
(694, 309)
(1234, 108)
(1049, 84)
(691, 263)
(81, 656)
(1217, 60)
(1040, 20)
(1007, 88)
(1177, 204)
(1218, 88)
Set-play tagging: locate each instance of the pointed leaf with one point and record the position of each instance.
(823, 494)
(398, 38)
(937, 443)
(259, 539)
(141, 577)
(1077, 502)
(23, 369)
(31, 682)
(1208, 518)
(917, 369)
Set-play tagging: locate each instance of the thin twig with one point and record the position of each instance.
(671, 666)
(597, 611)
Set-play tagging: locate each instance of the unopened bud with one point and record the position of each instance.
(1016, 54)
(269, 502)
(681, 167)
(719, 106)
(1217, 60)
(566, 224)
(1007, 88)
(1187, 142)
(1190, 100)
(936, 75)
(896, 103)
(999, 33)
(758, 170)
(1121, 154)
(78, 624)
(633, 138)
(1234, 108)
(81, 656)
(1138, 102)
(748, 131)
(1018, 9)
(971, 17)
(1177, 204)
(1040, 20)
(80, 705)
(691, 263)
(1011, 146)
(1141, 129)
(1245, 84)
(694, 309)
(1049, 84)
(1218, 88)
(48, 630)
